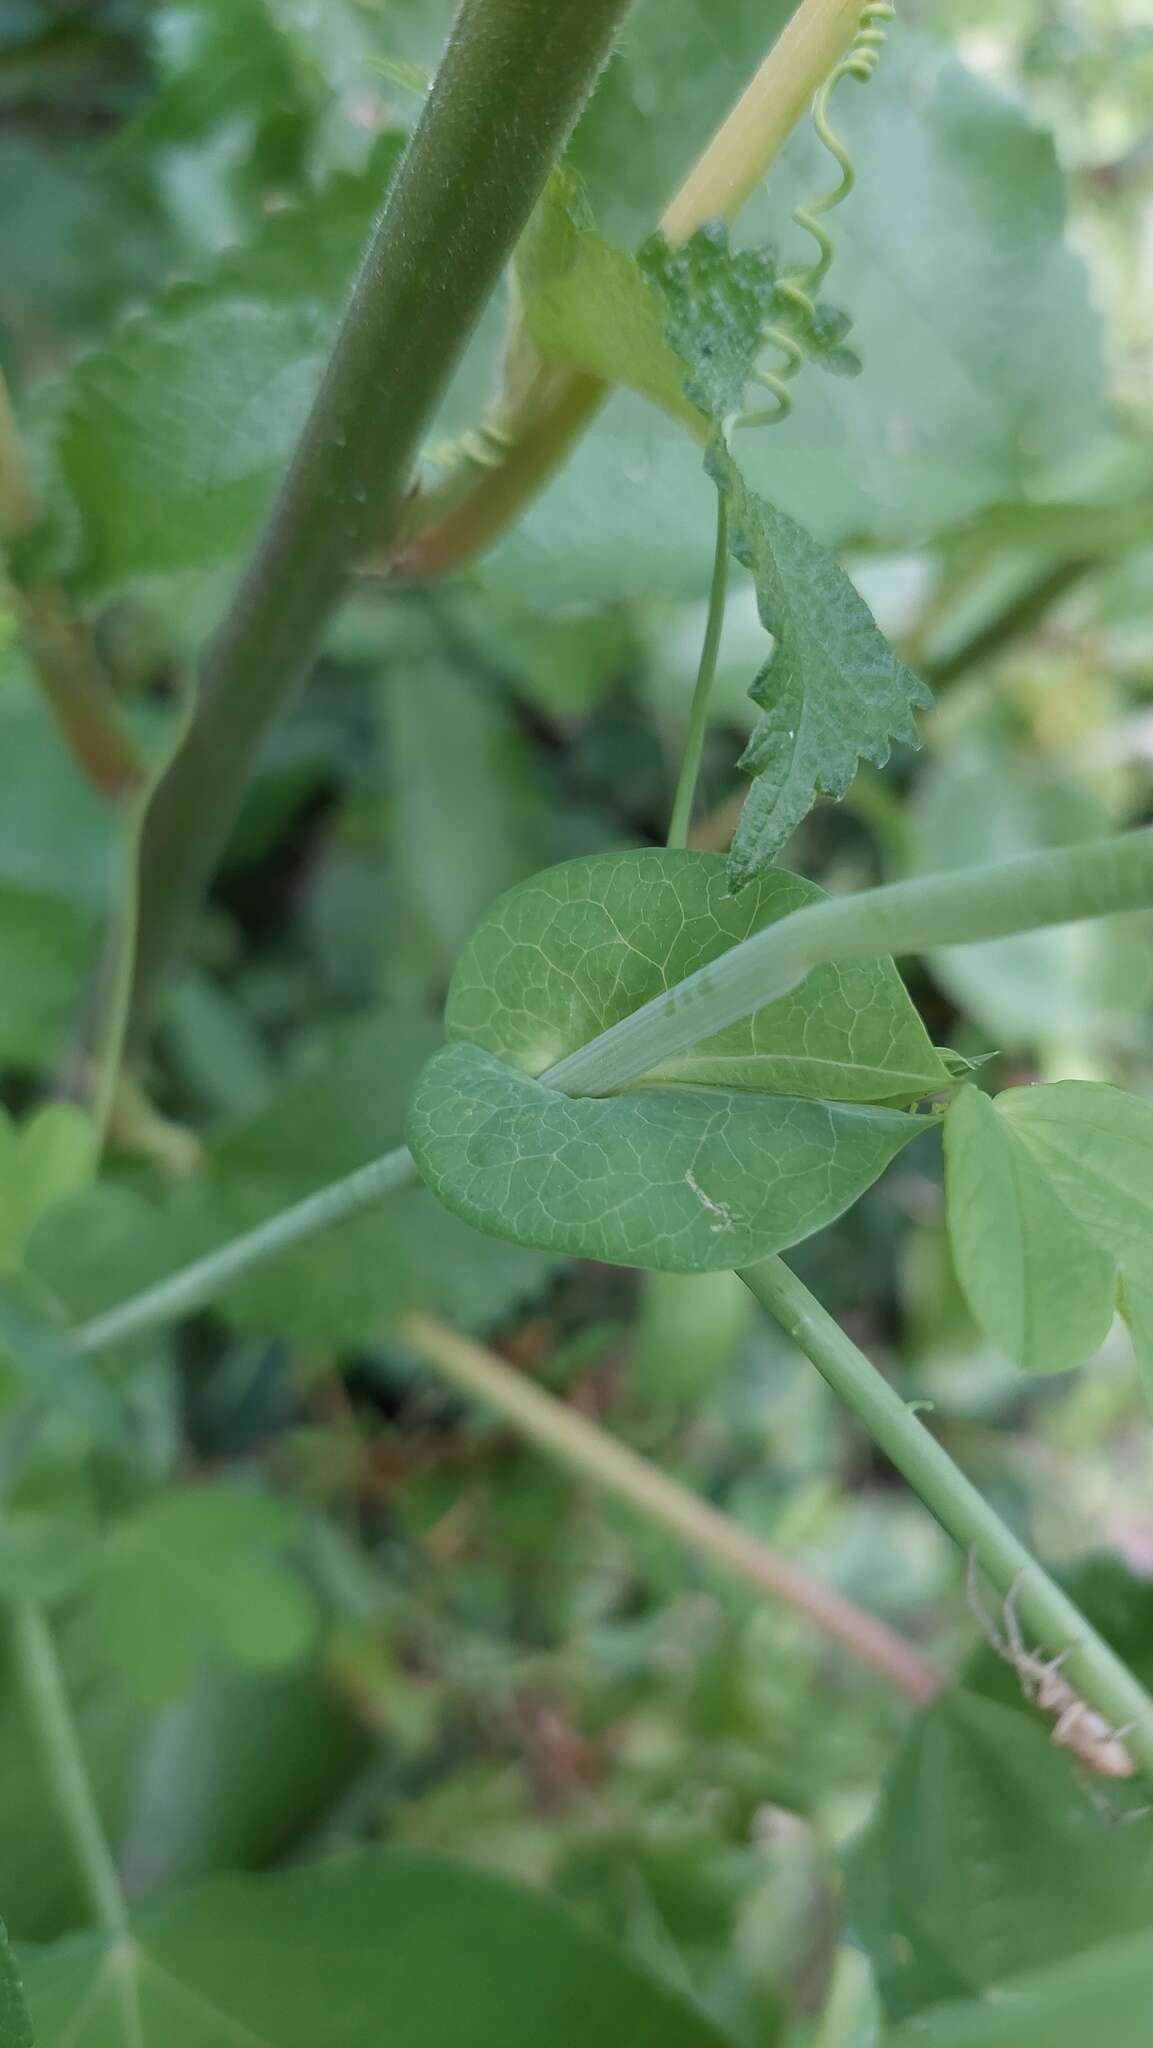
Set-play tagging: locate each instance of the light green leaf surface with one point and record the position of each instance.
(195, 1574)
(15, 2025)
(985, 795)
(1050, 1211)
(1039, 1286)
(429, 1954)
(831, 692)
(1105, 1995)
(741, 1146)
(48, 1157)
(564, 956)
(989, 1857)
(686, 1180)
(588, 303)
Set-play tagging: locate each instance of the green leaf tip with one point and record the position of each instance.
(832, 691)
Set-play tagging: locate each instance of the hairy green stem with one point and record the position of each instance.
(513, 78)
(967, 905)
(616, 1469)
(699, 714)
(51, 1715)
(1058, 1626)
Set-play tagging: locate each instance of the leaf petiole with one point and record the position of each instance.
(706, 671)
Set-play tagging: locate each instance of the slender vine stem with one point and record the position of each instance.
(970, 904)
(1059, 1627)
(51, 1716)
(464, 513)
(205, 1278)
(513, 78)
(614, 1468)
(699, 714)
(964, 906)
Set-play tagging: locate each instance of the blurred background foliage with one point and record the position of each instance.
(323, 1599)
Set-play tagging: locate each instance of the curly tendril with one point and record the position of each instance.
(798, 292)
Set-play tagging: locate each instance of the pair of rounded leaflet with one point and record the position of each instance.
(742, 1145)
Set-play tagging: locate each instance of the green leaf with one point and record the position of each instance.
(717, 302)
(200, 1573)
(832, 689)
(744, 1144)
(433, 1953)
(1036, 1282)
(467, 818)
(49, 1367)
(989, 1856)
(686, 1180)
(589, 304)
(48, 1158)
(1104, 1995)
(1072, 1166)
(988, 795)
(178, 428)
(15, 2025)
(569, 953)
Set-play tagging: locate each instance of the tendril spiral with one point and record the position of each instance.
(798, 291)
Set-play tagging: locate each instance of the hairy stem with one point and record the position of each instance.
(512, 81)
(471, 507)
(51, 1714)
(1058, 1626)
(699, 715)
(970, 904)
(583, 1448)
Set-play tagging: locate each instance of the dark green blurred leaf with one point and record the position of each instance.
(15, 2025)
(990, 1855)
(1104, 1995)
(366, 1937)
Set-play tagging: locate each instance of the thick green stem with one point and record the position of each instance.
(52, 1716)
(1059, 1627)
(578, 1444)
(471, 507)
(965, 906)
(512, 81)
(699, 715)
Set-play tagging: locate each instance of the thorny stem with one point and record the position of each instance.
(1059, 1627)
(462, 515)
(579, 1445)
(971, 904)
(513, 78)
(699, 715)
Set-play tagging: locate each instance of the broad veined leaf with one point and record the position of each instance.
(988, 1857)
(562, 957)
(1036, 1282)
(1106, 1994)
(178, 427)
(1072, 1166)
(419, 1949)
(15, 2025)
(684, 1180)
(832, 690)
(742, 1145)
(200, 1573)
